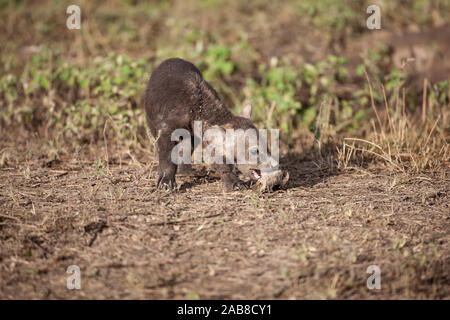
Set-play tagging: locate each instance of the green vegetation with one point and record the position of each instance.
(81, 86)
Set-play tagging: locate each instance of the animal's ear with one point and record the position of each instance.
(246, 111)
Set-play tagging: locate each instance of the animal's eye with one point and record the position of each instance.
(254, 151)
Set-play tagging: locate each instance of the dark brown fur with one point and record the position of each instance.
(176, 96)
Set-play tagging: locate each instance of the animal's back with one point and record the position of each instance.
(177, 94)
(170, 91)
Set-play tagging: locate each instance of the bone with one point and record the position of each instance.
(269, 180)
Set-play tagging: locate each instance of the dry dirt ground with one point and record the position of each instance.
(313, 240)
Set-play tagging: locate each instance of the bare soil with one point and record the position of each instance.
(313, 240)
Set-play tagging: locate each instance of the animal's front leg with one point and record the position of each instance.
(166, 168)
(229, 179)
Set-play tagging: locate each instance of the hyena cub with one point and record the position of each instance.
(176, 97)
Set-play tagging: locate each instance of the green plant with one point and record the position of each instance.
(218, 62)
(273, 98)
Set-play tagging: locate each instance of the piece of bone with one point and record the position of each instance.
(269, 180)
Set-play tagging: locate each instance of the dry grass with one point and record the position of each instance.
(404, 142)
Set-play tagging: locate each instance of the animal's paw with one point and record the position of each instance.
(166, 183)
(233, 183)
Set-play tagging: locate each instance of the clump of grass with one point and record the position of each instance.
(403, 141)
